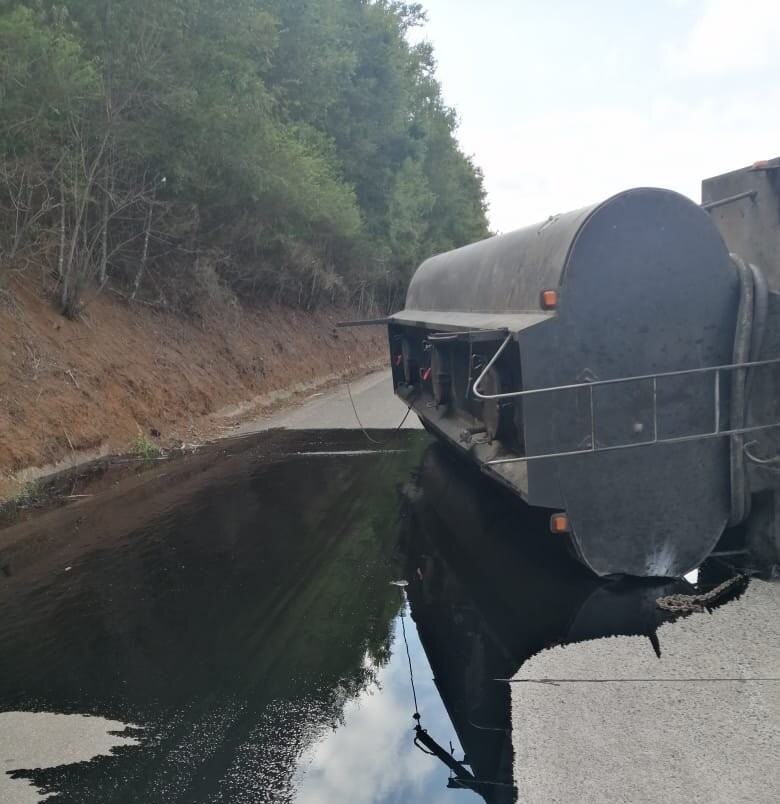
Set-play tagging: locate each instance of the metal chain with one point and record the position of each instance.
(684, 604)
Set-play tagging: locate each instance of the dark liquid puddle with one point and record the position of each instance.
(238, 611)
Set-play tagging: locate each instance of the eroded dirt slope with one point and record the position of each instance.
(121, 371)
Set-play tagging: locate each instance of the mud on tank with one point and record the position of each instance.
(618, 364)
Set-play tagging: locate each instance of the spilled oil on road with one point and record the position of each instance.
(261, 621)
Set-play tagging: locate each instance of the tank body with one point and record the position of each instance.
(574, 331)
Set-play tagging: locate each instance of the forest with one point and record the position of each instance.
(184, 152)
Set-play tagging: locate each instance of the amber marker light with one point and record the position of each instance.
(549, 299)
(559, 523)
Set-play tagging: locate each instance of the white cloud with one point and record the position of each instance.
(564, 108)
(730, 37)
(568, 159)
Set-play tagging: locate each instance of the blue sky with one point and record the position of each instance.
(565, 102)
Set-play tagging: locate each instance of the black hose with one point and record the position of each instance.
(741, 354)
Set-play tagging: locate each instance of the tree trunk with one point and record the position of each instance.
(61, 261)
(145, 253)
(104, 233)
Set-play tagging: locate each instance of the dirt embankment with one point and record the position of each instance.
(75, 389)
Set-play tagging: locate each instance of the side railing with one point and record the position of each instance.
(590, 386)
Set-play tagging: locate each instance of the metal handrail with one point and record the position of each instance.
(716, 432)
(617, 380)
(655, 442)
(751, 194)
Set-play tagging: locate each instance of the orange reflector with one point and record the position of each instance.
(549, 299)
(559, 523)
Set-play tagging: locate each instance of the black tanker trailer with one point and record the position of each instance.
(618, 365)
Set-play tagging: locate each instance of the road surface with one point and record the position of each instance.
(608, 721)
(375, 403)
(601, 721)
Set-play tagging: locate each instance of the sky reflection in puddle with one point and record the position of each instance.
(369, 758)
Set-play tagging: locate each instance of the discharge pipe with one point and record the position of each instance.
(748, 339)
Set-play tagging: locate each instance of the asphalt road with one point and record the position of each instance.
(608, 721)
(375, 403)
(602, 721)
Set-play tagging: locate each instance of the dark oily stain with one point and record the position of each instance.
(238, 604)
(251, 583)
(120, 494)
(69, 486)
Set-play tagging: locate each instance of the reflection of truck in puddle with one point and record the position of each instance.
(618, 365)
(485, 601)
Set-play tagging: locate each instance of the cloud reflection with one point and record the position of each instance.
(371, 758)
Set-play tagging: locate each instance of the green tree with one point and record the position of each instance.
(289, 149)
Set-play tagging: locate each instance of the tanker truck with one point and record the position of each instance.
(618, 365)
